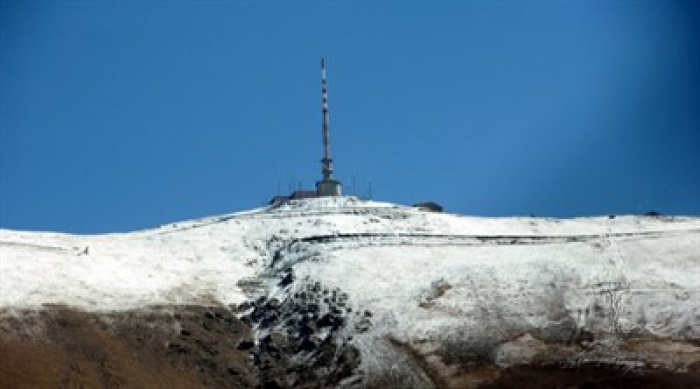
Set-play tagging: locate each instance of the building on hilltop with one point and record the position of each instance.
(327, 186)
(296, 195)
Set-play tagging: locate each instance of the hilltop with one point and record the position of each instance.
(340, 291)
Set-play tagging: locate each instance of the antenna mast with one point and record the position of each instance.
(327, 161)
(328, 186)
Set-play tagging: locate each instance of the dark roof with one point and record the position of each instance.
(278, 200)
(303, 194)
(429, 206)
(296, 195)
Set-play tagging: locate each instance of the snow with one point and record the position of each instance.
(422, 274)
(529, 284)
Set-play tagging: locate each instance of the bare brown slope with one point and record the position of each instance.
(163, 347)
(208, 347)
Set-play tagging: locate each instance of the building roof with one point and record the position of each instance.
(296, 195)
(303, 194)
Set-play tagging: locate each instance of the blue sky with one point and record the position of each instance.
(116, 116)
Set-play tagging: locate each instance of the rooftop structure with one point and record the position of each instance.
(296, 195)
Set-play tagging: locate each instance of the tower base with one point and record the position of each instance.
(328, 188)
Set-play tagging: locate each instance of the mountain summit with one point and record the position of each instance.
(346, 292)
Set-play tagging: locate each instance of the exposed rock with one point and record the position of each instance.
(300, 342)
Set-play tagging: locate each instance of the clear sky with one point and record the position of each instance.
(121, 115)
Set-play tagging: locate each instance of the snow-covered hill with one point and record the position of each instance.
(374, 293)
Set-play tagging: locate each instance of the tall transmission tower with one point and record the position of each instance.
(328, 186)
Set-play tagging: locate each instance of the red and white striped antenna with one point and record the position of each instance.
(327, 161)
(327, 186)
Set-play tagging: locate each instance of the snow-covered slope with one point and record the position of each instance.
(436, 292)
